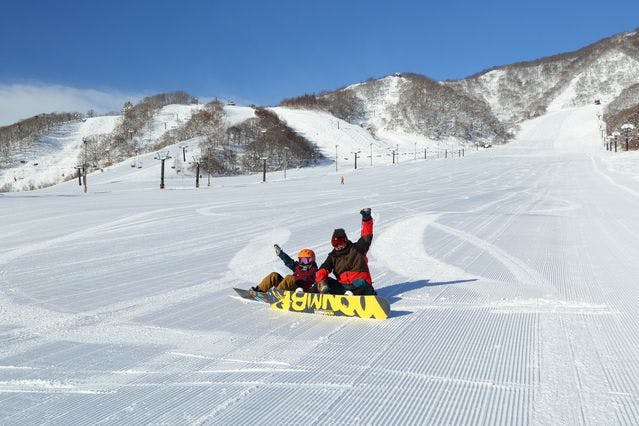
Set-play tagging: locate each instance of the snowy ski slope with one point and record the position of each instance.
(57, 155)
(512, 274)
(54, 160)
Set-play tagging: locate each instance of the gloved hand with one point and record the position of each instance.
(322, 287)
(277, 248)
(366, 214)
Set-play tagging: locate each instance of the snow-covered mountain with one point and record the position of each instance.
(406, 113)
(416, 105)
(600, 71)
(488, 105)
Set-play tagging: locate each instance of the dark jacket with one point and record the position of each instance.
(350, 263)
(304, 274)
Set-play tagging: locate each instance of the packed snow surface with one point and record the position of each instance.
(512, 275)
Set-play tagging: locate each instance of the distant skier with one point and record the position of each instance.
(348, 262)
(303, 276)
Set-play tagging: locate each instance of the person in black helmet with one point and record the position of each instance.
(348, 262)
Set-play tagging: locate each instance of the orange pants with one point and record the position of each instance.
(276, 280)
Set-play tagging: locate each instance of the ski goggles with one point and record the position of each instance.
(338, 241)
(305, 260)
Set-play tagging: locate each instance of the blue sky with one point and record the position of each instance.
(263, 51)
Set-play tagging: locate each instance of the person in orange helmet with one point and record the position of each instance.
(303, 275)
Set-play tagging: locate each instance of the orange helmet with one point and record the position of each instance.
(306, 256)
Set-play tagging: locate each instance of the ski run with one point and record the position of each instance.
(512, 274)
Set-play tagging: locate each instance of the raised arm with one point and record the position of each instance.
(366, 238)
(290, 263)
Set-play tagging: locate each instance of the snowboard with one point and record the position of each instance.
(258, 297)
(375, 307)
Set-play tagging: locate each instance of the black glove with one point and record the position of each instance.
(277, 248)
(366, 214)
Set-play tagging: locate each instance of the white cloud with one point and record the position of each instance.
(20, 101)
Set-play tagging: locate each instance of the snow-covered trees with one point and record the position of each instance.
(136, 117)
(279, 144)
(628, 98)
(624, 110)
(208, 121)
(437, 111)
(244, 146)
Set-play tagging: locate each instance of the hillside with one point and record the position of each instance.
(23, 138)
(409, 106)
(489, 105)
(55, 155)
(414, 104)
(527, 89)
(295, 138)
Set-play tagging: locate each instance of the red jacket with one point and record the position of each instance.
(304, 274)
(350, 263)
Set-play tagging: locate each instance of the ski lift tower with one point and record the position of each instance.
(627, 128)
(264, 168)
(162, 156)
(197, 160)
(356, 153)
(615, 134)
(85, 158)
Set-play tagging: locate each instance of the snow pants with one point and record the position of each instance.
(276, 280)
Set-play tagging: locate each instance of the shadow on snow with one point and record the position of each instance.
(392, 292)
